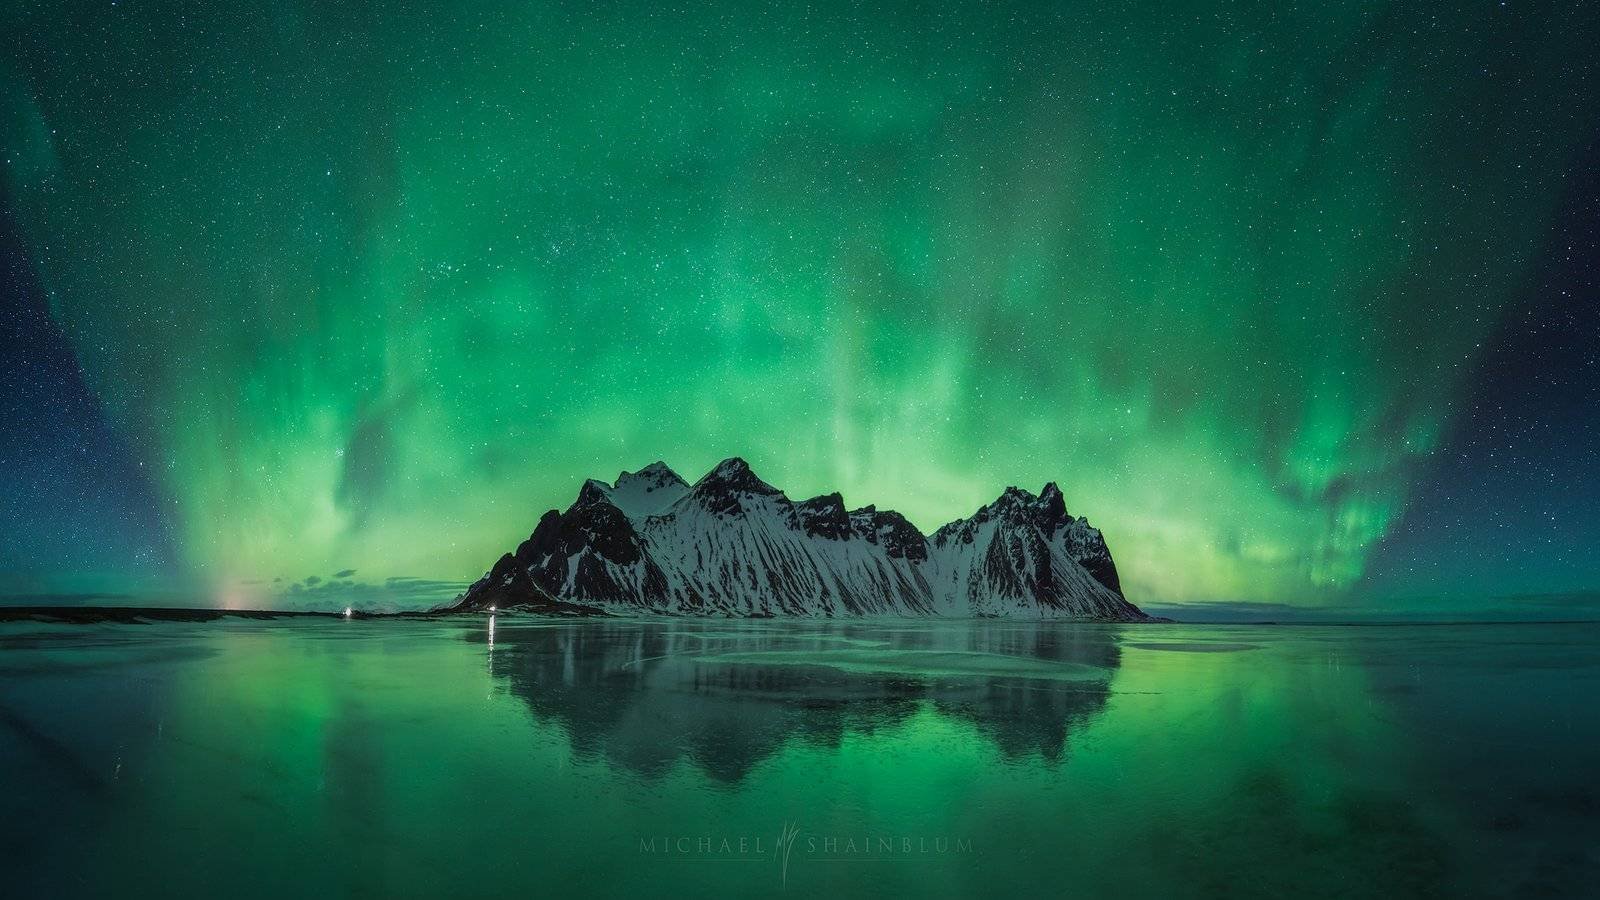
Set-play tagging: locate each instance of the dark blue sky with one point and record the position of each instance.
(73, 499)
(1511, 503)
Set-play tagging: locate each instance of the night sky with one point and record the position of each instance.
(1297, 303)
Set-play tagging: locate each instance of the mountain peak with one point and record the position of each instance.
(1047, 510)
(731, 467)
(593, 491)
(894, 532)
(824, 516)
(830, 502)
(1053, 505)
(657, 472)
(734, 474)
(638, 494)
(1012, 499)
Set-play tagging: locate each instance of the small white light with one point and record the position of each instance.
(348, 612)
(491, 609)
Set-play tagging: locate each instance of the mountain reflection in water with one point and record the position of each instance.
(726, 696)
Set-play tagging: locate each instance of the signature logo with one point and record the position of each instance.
(794, 844)
(786, 839)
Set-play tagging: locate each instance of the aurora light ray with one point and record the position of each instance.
(370, 288)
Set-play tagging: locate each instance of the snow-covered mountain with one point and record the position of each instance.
(638, 494)
(731, 544)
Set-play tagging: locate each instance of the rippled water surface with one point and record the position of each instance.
(523, 757)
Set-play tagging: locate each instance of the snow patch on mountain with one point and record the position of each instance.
(643, 493)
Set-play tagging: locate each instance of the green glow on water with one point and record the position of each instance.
(420, 758)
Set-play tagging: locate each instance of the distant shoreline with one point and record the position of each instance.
(140, 615)
(144, 615)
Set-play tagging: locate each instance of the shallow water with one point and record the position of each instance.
(523, 757)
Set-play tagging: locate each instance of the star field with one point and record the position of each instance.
(367, 287)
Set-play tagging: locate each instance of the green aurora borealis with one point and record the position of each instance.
(370, 287)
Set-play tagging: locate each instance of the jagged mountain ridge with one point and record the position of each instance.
(731, 544)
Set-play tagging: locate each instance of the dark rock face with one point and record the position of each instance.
(734, 545)
(592, 492)
(724, 489)
(824, 517)
(1091, 553)
(898, 537)
(1047, 516)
